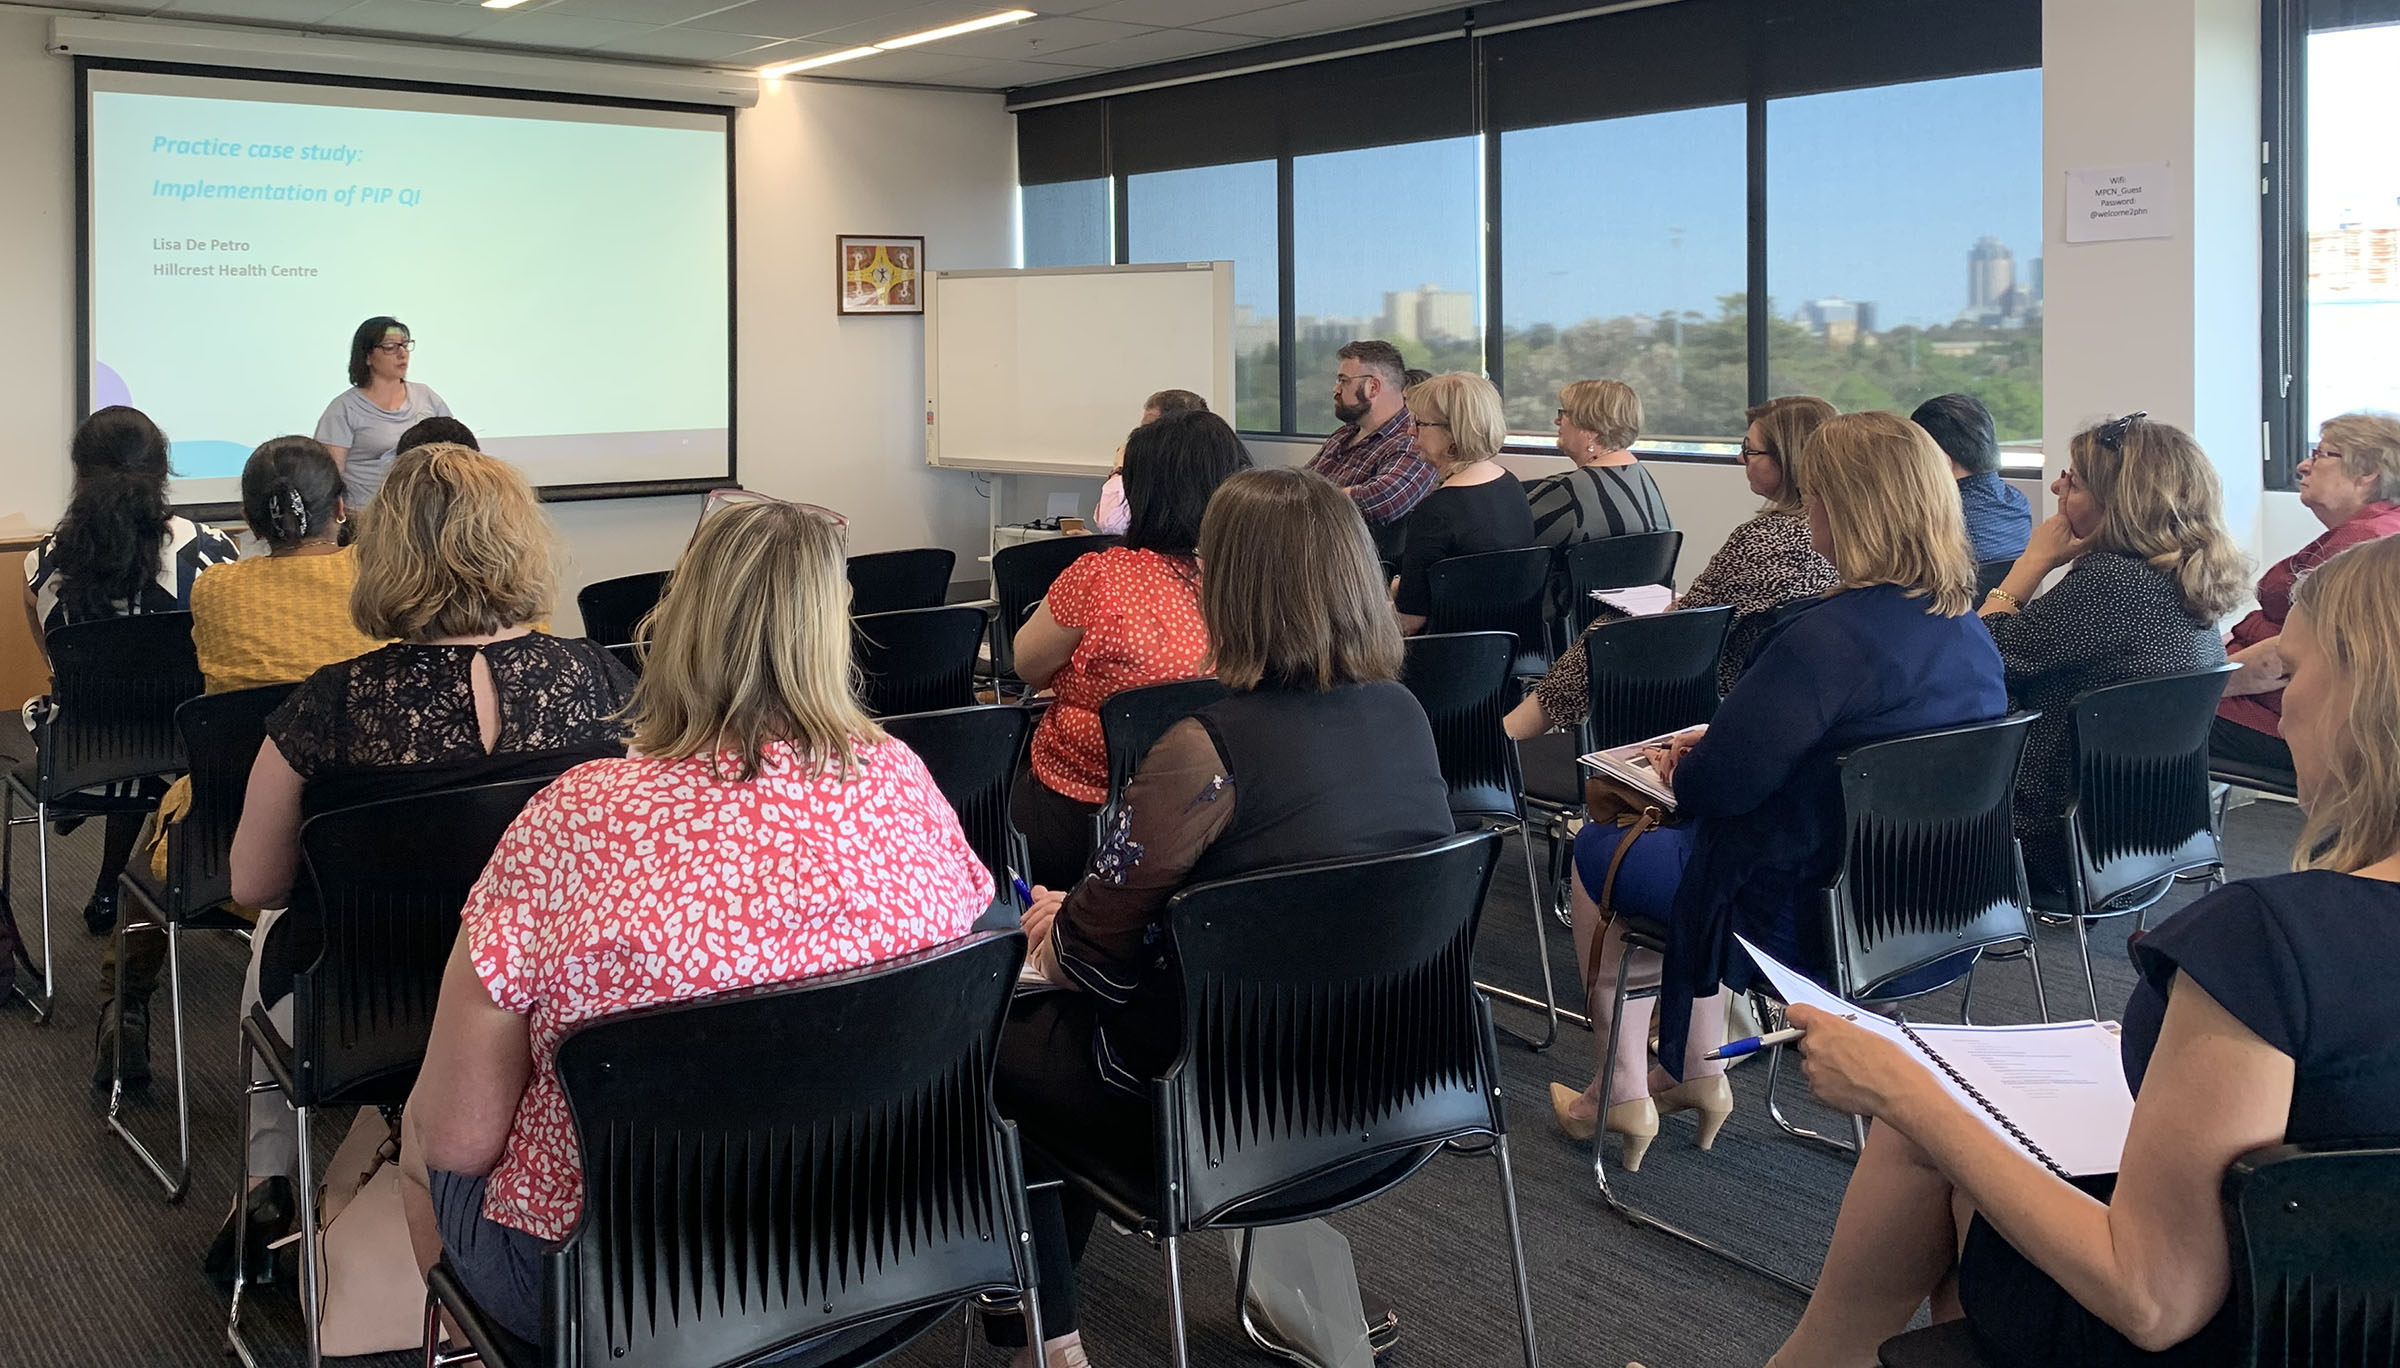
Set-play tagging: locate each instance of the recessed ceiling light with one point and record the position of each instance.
(953, 30)
(787, 68)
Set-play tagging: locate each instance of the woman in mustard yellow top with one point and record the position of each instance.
(264, 619)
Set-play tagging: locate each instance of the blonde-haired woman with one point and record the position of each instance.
(1608, 493)
(2257, 1018)
(1893, 649)
(455, 560)
(827, 846)
(2141, 518)
(2351, 482)
(1478, 506)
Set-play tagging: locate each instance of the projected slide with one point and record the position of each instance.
(562, 267)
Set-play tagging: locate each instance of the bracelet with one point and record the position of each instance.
(2007, 597)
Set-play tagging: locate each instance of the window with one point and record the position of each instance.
(1386, 242)
(1625, 258)
(1222, 213)
(1066, 223)
(1904, 232)
(2353, 225)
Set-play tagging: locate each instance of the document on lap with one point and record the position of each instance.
(1640, 600)
(2060, 1084)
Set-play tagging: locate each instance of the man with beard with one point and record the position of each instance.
(1373, 455)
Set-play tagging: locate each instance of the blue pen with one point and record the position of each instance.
(1736, 1049)
(1024, 890)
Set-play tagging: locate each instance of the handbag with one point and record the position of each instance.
(1635, 814)
(373, 1300)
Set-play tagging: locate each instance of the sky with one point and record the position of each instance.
(1872, 194)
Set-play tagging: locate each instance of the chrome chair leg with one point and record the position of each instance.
(234, 1343)
(1172, 1246)
(1516, 1251)
(1785, 1124)
(1966, 998)
(178, 1180)
(41, 846)
(2083, 946)
(2033, 965)
(1547, 1003)
(311, 1251)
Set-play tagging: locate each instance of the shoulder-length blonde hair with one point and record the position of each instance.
(455, 544)
(2352, 603)
(1891, 509)
(1787, 424)
(1289, 585)
(2159, 499)
(1467, 405)
(750, 647)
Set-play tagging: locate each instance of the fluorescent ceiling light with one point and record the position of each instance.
(847, 54)
(502, 4)
(953, 30)
(787, 68)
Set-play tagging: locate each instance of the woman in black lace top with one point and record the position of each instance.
(455, 560)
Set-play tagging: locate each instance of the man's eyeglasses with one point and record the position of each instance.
(1341, 380)
(400, 348)
(2112, 434)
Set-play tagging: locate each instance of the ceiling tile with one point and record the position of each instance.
(645, 12)
(298, 12)
(1038, 40)
(801, 18)
(1171, 13)
(419, 18)
(688, 45)
(1158, 45)
(1319, 16)
(565, 32)
(1002, 75)
(780, 50)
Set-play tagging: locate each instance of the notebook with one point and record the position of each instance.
(2055, 1090)
(1630, 765)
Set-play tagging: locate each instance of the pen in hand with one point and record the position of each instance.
(1737, 1048)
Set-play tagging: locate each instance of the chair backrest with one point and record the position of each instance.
(389, 879)
(1929, 867)
(1495, 591)
(766, 1166)
(894, 581)
(1462, 680)
(2140, 810)
(1653, 674)
(611, 607)
(1614, 563)
(916, 660)
(1132, 721)
(2316, 1272)
(1022, 574)
(221, 735)
(1332, 1033)
(1989, 574)
(628, 655)
(115, 685)
(972, 754)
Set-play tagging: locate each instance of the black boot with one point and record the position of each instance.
(271, 1212)
(136, 1034)
(100, 914)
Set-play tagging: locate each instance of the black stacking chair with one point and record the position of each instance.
(817, 1160)
(1462, 681)
(2282, 783)
(108, 725)
(1132, 721)
(2316, 1276)
(1021, 575)
(221, 735)
(1333, 1043)
(1647, 675)
(387, 881)
(2140, 814)
(918, 659)
(1989, 574)
(896, 581)
(1496, 591)
(1611, 563)
(629, 655)
(612, 607)
(973, 754)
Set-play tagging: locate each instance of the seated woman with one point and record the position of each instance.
(1764, 564)
(1608, 493)
(2257, 1018)
(2141, 519)
(1116, 620)
(1478, 506)
(2351, 482)
(1112, 514)
(1894, 649)
(271, 619)
(454, 559)
(1320, 753)
(829, 847)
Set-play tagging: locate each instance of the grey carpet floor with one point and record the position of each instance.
(95, 1269)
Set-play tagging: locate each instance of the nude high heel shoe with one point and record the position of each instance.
(1711, 1096)
(1574, 1127)
(1634, 1120)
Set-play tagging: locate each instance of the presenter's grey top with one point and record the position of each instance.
(367, 431)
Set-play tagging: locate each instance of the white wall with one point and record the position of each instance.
(829, 408)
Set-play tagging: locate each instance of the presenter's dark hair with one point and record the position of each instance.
(291, 492)
(1962, 427)
(365, 340)
(427, 431)
(1172, 468)
(113, 532)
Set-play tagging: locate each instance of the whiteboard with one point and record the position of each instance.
(1044, 372)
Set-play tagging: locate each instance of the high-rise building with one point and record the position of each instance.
(1400, 316)
(1991, 274)
(1839, 322)
(1429, 313)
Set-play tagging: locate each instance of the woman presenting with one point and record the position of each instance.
(364, 422)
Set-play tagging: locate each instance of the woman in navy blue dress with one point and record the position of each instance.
(2260, 1016)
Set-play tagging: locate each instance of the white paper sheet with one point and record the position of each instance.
(1640, 600)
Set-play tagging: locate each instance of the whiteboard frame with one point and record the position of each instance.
(1221, 387)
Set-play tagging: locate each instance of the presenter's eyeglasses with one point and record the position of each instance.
(400, 348)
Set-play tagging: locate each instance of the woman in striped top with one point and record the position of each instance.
(1608, 493)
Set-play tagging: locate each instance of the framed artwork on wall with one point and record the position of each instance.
(880, 274)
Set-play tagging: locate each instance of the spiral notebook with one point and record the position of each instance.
(2056, 1090)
